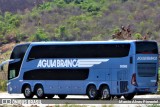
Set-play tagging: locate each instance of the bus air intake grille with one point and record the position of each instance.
(123, 86)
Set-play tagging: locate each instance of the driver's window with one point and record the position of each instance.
(12, 73)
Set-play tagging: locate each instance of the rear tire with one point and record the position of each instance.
(27, 91)
(50, 96)
(118, 96)
(99, 95)
(39, 92)
(92, 92)
(105, 93)
(62, 96)
(128, 96)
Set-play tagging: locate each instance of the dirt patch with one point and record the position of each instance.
(7, 47)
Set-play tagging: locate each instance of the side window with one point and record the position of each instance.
(79, 51)
(12, 73)
(56, 74)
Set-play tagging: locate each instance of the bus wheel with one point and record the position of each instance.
(98, 96)
(128, 96)
(112, 97)
(27, 91)
(50, 96)
(92, 92)
(105, 93)
(39, 92)
(118, 96)
(62, 96)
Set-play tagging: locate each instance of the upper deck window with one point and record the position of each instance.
(79, 51)
(19, 51)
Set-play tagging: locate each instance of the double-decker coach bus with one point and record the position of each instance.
(97, 69)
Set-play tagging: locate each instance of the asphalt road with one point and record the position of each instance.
(7, 95)
(72, 99)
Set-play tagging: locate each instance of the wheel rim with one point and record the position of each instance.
(40, 92)
(105, 94)
(27, 92)
(92, 93)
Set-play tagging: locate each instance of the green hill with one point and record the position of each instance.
(16, 6)
(77, 19)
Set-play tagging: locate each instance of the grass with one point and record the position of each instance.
(153, 105)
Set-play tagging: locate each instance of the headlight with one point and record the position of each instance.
(8, 83)
(10, 88)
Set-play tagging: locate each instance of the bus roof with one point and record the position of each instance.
(84, 42)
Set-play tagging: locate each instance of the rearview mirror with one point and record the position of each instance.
(5, 62)
(1, 68)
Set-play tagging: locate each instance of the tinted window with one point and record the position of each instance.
(56, 74)
(13, 70)
(146, 69)
(146, 48)
(14, 67)
(19, 51)
(79, 51)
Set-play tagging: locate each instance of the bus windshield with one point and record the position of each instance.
(146, 48)
(17, 56)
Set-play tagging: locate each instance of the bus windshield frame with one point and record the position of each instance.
(17, 56)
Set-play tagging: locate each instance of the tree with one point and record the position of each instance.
(40, 35)
(126, 34)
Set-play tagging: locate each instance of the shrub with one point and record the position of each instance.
(40, 35)
(3, 85)
(137, 36)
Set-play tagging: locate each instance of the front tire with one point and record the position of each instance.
(128, 96)
(92, 92)
(39, 92)
(105, 93)
(62, 96)
(27, 91)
